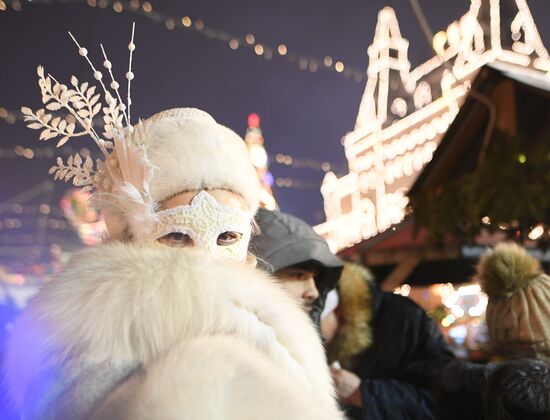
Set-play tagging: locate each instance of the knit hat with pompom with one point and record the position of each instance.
(518, 311)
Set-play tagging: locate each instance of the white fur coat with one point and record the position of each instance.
(129, 332)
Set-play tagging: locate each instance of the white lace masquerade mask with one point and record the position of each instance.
(204, 221)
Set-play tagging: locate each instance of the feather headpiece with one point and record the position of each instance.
(119, 182)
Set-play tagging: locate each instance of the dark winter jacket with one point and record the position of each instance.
(285, 241)
(507, 390)
(399, 369)
(402, 358)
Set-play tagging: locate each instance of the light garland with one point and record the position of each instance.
(398, 130)
(15, 223)
(464, 301)
(306, 163)
(49, 152)
(283, 159)
(296, 183)
(10, 117)
(43, 209)
(281, 182)
(40, 152)
(254, 141)
(261, 49)
(461, 304)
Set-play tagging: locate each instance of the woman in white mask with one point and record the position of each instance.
(168, 318)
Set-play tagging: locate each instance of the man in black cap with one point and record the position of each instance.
(299, 257)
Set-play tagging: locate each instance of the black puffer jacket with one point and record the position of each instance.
(507, 390)
(285, 241)
(398, 371)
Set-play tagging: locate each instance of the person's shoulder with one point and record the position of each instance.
(462, 374)
(401, 303)
(406, 312)
(522, 383)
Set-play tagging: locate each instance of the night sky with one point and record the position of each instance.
(303, 114)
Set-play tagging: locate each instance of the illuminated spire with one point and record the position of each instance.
(255, 144)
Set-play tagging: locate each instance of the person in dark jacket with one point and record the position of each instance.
(298, 256)
(515, 384)
(519, 389)
(385, 351)
(507, 390)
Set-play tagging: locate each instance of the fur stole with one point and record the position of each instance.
(198, 328)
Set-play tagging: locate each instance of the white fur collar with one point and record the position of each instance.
(125, 303)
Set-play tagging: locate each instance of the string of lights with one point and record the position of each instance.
(50, 152)
(14, 223)
(306, 163)
(33, 210)
(249, 41)
(40, 152)
(21, 152)
(11, 117)
(297, 183)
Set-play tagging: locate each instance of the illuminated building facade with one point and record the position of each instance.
(404, 112)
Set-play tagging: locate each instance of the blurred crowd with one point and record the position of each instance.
(389, 360)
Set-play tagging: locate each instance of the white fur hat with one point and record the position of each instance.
(189, 150)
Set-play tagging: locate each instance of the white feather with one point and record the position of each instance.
(130, 193)
(133, 163)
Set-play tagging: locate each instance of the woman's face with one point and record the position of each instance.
(223, 238)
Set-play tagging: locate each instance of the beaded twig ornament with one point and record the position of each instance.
(120, 181)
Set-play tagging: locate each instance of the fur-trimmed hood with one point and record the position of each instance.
(355, 309)
(131, 304)
(287, 241)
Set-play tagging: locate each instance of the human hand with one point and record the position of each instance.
(347, 385)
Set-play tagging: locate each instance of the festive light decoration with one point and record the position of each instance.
(267, 51)
(448, 304)
(255, 143)
(257, 151)
(280, 159)
(20, 152)
(403, 290)
(34, 210)
(14, 223)
(296, 183)
(11, 117)
(85, 219)
(536, 232)
(403, 113)
(35, 274)
(464, 301)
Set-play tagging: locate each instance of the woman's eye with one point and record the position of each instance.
(228, 238)
(177, 239)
